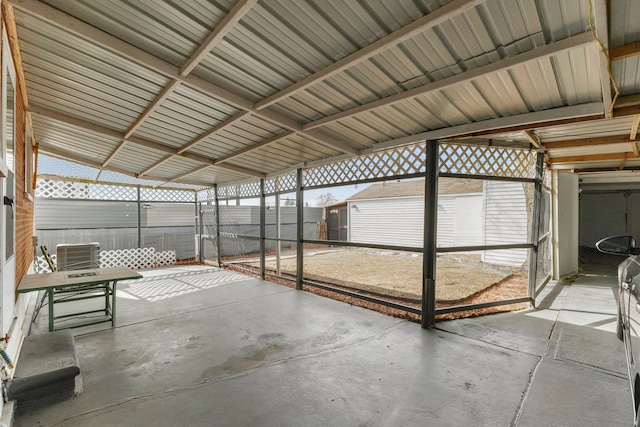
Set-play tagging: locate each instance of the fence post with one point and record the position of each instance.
(430, 232)
(535, 227)
(299, 228)
(139, 217)
(278, 235)
(263, 220)
(199, 228)
(218, 246)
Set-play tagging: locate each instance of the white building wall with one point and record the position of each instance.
(394, 221)
(505, 221)
(565, 220)
(400, 221)
(446, 221)
(468, 220)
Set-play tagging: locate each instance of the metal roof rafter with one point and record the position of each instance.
(474, 73)
(438, 16)
(217, 128)
(155, 165)
(186, 174)
(228, 22)
(73, 121)
(168, 90)
(238, 11)
(601, 31)
(501, 124)
(634, 134)
(132, 53)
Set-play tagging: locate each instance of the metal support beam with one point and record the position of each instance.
(420, 25)
(430, 231)
(139, 217)
(278, 248)
(253, 147)
(218, 245)
(222, 29)
(263, 220)
(201, 224)
(518, 122)
(166, 92)
(472, 74)
(299, 229)
(535, 227)
(601, 32)
(113, 154)
(102, 40)
(217, 128)
(169, 151)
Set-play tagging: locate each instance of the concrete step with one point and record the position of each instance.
(47, 372)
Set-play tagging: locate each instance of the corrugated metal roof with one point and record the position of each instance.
(625, 14)
(52, 167)
(593, 129)
(416, 188)
(335, 77)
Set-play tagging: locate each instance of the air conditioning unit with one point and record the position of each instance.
(78, 256)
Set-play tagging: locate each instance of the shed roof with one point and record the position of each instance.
(416, 188)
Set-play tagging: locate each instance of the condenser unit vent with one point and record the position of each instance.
(78, 256)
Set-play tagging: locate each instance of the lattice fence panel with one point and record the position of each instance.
(400, 161)
(245, 191)
(80, 190)
(136, 258)
(166, 195)
(228, 192)
(487, 161)
(249, 190)
(113, 192)
(281, 184)
(41, 263)
(83, 190)
(165, 258)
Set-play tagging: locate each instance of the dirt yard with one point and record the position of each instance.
(461, 279)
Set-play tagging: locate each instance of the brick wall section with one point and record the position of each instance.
(23, 204)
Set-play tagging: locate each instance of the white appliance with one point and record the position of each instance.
(78, 256)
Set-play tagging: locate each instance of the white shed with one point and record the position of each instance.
(393, 213)
(470, 213)
(505, 212)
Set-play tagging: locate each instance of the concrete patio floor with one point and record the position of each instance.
(198, 346)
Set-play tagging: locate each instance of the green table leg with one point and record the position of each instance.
(107, 291)
(50, 292)
(113, 304)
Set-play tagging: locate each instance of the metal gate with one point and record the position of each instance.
(209, 244)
